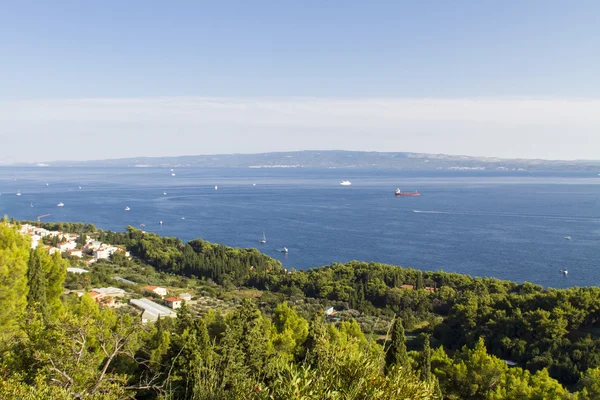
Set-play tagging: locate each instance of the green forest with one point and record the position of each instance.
(403, 334)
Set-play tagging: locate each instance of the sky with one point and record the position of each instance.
(93, 80)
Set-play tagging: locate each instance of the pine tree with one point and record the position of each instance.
(55, 277)
(36, 277)
(396, 354)
(419, 283)
(14, 254)
(427, 360)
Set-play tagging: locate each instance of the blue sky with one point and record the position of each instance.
(249, 51)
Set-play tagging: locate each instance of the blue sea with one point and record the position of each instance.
(509, 225)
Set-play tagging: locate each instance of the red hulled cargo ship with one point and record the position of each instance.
(408, 194)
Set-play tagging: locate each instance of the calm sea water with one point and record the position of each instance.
(507, 225)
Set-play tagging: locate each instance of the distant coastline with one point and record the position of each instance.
(342, 159)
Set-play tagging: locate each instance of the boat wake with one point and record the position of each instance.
(508, 215)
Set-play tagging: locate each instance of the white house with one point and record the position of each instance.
(173, 302)
(101, 253)
(104, 252)
(66, 246)
(185, 296)
(92, 246)
(155, 289)
(53, 250)
(41, 231)
(35, 240)
(75, 253)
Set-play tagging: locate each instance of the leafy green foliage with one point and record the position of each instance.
(82, 351)
(14, 255)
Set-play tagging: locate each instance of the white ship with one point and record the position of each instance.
(61, 204)
(345, 183)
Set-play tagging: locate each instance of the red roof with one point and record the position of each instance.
(173, 299)
(93, 294)
(150, 287)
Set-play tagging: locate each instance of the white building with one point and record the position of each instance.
(118, 278)
(75, 253)
(173, 302)
(105, 252)
(66, 246)
(77, 270)
(152, 310)
(53, 250)
(92, 246)
(35, 240)
(110, 291)
(185, 296)
(156, 290)
(41, 231)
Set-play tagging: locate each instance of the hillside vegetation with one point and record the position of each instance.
(444, 337)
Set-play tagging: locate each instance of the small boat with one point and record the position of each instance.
(160, 222)
(79, 187)
(398, 192)
(284, 250)
(164, 193)
(127, 208)
(18, 192)
(568, 237)
(171, 169)
(264, 239)
(172, 173)
(345, 183)
(46, 183)
(254, 184)
(142, 225)
(61, 204)
(216, 187)
(564, 271)
(182, 217)
(31, 204)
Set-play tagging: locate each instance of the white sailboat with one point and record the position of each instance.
(284, 250)
(216, 187)
(264, 239)
(18, 192)
(127, 208)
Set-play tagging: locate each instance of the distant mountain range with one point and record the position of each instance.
(345, 159)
